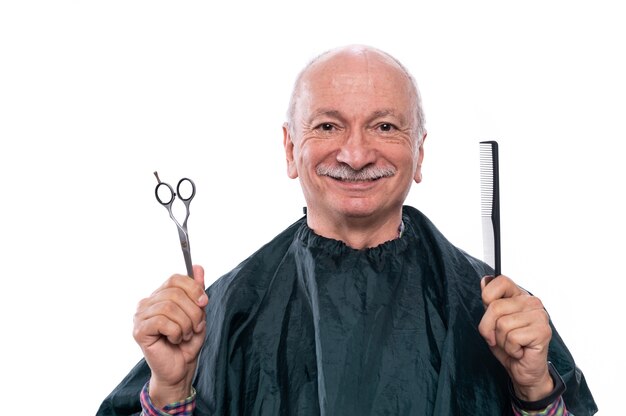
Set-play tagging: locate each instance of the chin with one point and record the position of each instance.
(359, 209)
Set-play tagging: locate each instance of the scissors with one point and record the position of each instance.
(167, 191)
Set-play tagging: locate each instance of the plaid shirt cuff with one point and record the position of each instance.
(555, 409)
(182, 408)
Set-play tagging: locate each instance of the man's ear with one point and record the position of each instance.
(420, 157)
(292, 170)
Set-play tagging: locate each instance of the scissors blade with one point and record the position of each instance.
(184, 245)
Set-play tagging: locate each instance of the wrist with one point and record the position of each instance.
(538, 398)
(536, 391)
(162, 394)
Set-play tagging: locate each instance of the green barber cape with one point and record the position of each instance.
(309, 326)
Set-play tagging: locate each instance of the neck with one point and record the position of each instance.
(356, 232)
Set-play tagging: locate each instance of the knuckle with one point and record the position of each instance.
(138, 330)
(548, 332)
(503, 325)
(545, 325)
(546, 316)
(505, 279)
(142, 304)
(174, 280)
(514, 338)
(170, 282)
(506, 282)
(535, 302)
(497, 307)
(482, 328)
(512, 348)
(542, 317)
(136, 333)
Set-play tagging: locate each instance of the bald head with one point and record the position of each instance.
(354, 58)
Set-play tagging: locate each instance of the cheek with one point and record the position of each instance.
(311, 155)
(402, 158)
(305, 162)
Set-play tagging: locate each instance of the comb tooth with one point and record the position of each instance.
(486, 178)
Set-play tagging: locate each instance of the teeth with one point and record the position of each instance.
(356, 180)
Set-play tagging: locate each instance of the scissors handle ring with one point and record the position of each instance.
(158, 197)
(193, 190)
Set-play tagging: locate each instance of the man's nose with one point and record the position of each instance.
(357, 151)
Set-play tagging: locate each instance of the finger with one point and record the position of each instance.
(500, 287)
(500, 308)
(485, 281)
(493, 312)
(197, 340)
(149, 331)
(521, 340)
(172, 301)
(175, 313)
(198, 276)
(193, 288)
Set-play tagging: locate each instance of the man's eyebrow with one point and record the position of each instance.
(327, 112)
(387, 112)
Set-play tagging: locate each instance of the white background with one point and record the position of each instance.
(95, 96)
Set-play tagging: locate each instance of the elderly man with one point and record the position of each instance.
(361, 307)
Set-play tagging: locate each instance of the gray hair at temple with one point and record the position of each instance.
(419, 112)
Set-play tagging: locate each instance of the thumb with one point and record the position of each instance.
(483, 284)
(198, 274)
(485, 281)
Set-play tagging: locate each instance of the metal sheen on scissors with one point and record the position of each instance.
(167, 191)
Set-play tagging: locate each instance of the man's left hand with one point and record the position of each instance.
(517, 330)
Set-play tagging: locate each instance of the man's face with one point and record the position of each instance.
(353, 142)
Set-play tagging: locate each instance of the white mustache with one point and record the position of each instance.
(346, 173)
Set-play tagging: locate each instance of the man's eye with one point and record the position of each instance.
(326, 127)
(386, 127)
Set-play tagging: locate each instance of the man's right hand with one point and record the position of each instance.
(170, 326)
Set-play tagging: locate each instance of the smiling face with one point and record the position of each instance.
(354, 140)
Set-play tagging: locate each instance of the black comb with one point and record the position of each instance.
(490, 203)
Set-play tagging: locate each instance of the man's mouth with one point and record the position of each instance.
(345, 173)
